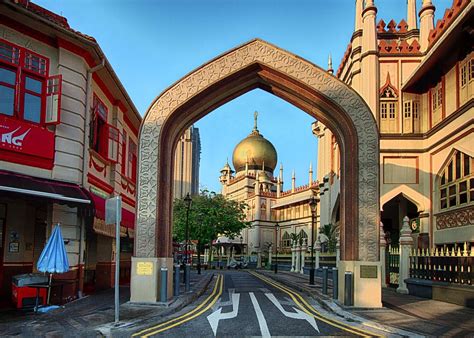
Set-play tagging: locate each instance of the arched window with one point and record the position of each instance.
(286, 240)
(302, 234)
(456, 185)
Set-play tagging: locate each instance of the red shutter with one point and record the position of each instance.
(112, 143)
(53, 99)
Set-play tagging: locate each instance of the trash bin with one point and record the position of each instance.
(25, 296)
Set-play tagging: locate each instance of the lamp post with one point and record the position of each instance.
(313, 202)
(188, 200)
(276, 247)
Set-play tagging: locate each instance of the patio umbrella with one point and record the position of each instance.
(53, 259)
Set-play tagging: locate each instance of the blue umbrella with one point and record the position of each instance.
(53, 259)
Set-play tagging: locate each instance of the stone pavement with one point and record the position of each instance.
(420, 315)
(94, 314)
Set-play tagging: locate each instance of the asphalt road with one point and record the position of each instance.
(240, 303)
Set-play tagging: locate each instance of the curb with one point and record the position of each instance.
(109, 329)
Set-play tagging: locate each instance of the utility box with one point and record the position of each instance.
(25, 296)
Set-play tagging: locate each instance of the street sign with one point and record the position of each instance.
(112, 205)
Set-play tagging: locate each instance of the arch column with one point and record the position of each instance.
(258, 64)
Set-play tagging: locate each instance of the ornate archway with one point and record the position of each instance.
(258, 64)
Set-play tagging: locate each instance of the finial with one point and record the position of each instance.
(311, 166)
(255, 117)
(330, 70)
(294, 174)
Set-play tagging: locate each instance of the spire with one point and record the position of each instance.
(330, 70)
(310, 173)
(358, 14)
(426, 23)
(263, 165)
(411, 14)
(255, 117)
(293, 181)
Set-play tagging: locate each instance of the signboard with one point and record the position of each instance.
(415, 225)
(111, 206)
(144, 268)
(368, 271)
(26, 138)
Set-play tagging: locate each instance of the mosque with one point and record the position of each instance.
(273, 212)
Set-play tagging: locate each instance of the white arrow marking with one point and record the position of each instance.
(216, 316)
(295, 315)
(261, 319)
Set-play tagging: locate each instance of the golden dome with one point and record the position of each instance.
(255, 150)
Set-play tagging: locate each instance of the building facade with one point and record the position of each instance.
(254, 183)
(68, 133)
(186, 163)
(418, 78)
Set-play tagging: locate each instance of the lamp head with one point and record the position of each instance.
(188, 200)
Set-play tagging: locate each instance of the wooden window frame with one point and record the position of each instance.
(28, 64)
(450, 182)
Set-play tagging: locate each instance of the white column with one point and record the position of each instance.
(383, 247)
(270, 255)
(317, 247)
(293, 255)
(338, 251)
(297, 260)
(406, 243)
(304, 247)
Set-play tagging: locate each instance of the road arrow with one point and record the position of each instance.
(216, 316)
(295, 315)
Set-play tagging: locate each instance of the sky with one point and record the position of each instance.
(152, 44)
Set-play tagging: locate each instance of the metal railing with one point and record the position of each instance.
(453, 265)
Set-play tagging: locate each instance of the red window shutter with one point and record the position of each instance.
(112, 143)
(53, 99)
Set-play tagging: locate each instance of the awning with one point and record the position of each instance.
(128, 217)
(59, 192)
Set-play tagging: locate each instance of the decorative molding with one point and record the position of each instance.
(95, 181)
(455, 218)
(301, 72)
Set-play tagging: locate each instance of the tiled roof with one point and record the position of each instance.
(50, 16)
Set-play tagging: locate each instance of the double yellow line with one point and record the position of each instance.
(310, 310)
(203, 307)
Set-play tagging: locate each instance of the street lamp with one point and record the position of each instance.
(276, 247)
(188, 200)
(313, 202)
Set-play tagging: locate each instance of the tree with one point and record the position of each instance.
(210, 215)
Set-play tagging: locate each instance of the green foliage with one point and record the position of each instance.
(210, 216)
(331, 231)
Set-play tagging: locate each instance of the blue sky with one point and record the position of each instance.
(152, 44)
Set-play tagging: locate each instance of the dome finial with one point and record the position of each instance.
(255, 117)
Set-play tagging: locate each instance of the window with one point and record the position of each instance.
(411, 120)
(104, 138)
(466, 79)
(388, 117)
(457, 181)
(26, 91)
(436, 103)
(132, 160)
(286, 240)
(124, 153)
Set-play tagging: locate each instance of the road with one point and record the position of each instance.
(241, 303)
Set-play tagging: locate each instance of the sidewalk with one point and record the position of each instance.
(405, 312)
(85, 316)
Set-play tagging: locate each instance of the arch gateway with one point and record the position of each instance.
(259, 64)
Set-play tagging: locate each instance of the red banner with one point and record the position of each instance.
(25, 138)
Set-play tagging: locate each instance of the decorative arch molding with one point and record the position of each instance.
(258, 64)
(410, 194)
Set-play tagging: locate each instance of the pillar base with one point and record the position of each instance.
(367, 286)
(403, 291)
(145, 279)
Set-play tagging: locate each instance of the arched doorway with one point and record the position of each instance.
(258, 64)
